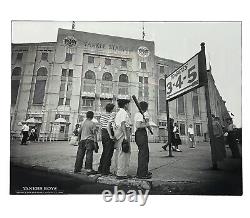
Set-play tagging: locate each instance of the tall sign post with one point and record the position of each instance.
(169, 129)
(209, 116)
(189, 76)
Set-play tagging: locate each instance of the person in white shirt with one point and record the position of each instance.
(141, 139)
(25, 132)
(191, 135)
(122, 136)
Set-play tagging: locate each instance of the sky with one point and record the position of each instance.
(173, 40)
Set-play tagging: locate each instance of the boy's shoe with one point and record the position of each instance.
(178, 150)
(144, 177)
(107, 174)
(92, 172)
(164, 147)
(77, 171)
(149, 173)
(122, 177)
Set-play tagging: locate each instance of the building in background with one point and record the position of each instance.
(56, 83)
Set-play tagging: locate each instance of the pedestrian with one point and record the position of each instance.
(25, 134)
(177, 139)
(122, 136)
(170, 143)
(74, 137)
(87, 144)
(191, 135)
(220, 149)
(141, 139)
(32, 134)
(232, 131)
(107, 140)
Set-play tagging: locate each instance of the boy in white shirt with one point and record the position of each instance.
(122, 135)
(25, 132)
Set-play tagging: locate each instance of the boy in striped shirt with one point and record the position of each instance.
(107, 140)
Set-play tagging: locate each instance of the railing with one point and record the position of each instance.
(123, 90)
(87, 108)
(89, 86)
(107, 88)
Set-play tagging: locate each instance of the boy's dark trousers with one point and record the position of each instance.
(233, 145)
(25, 137)
(107, 153)
(141, 139)
(85, 146)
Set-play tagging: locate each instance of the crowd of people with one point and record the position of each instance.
(28, 134)
(225, 132)
(116, 135)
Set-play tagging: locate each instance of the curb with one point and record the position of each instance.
(150, 184)
(79, 176)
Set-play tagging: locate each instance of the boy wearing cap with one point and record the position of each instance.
(87, 144)
(141, 139)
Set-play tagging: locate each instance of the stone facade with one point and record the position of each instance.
(84, 71)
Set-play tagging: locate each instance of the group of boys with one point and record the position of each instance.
(116, 132)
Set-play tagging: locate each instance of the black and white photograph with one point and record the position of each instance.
(126, 109)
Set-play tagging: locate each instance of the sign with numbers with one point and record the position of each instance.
(183, 79)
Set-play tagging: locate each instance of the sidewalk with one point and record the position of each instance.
(188, 172)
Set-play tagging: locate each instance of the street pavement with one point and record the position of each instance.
(188, 172)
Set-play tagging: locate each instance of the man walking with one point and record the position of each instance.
(25, 132)
(172, 142)
(87, 144)
(191, 135)
(141, 139)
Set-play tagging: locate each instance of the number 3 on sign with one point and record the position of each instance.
(169, 87)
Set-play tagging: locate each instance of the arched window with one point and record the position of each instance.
(17, 71)
(107, 85)
(15, 83)
(89, 82)
(123, 86)
(162, 96)
(90, 75)
(107, 76)
(123, 78)
(40, 85)
(42, 71)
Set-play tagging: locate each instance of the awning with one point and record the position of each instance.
(60, 120)
(32, 120)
